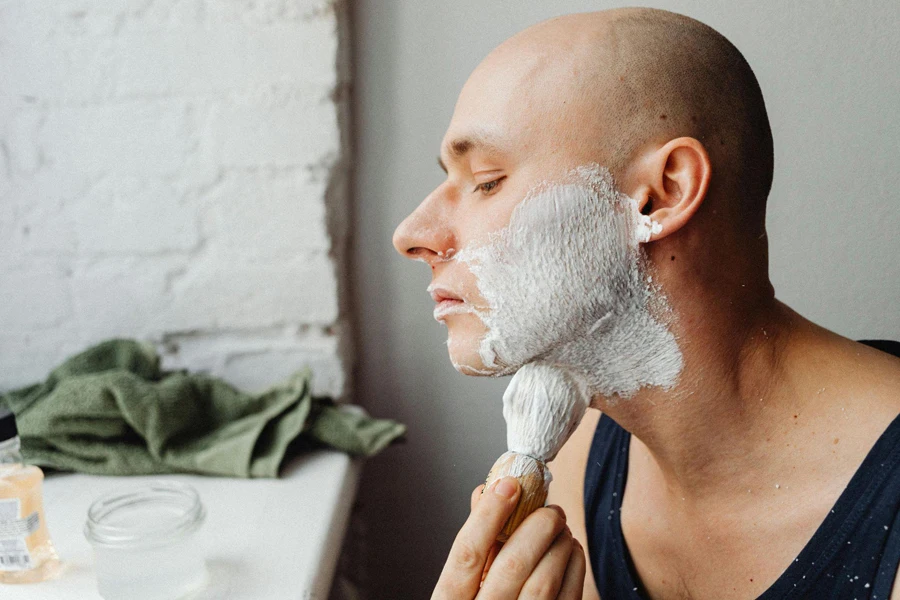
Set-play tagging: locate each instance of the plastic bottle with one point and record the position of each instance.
(27, 554)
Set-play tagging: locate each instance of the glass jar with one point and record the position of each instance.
(145, 542)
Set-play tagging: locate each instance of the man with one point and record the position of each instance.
(732, 482)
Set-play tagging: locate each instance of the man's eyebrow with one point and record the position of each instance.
(459, 147)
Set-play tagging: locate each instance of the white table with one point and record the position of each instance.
(269, 539)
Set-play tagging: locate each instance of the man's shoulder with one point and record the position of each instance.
(848, 371)
(871, 368)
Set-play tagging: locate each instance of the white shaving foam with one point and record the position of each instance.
(565, 283)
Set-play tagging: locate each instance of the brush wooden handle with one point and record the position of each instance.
(534, 478)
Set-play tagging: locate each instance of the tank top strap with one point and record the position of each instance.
(604, 486)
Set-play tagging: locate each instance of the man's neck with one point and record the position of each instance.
(731, 397)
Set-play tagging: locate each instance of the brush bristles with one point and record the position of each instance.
(542, 405)
(534, 479)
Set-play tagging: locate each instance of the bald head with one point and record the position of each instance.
(620, 80)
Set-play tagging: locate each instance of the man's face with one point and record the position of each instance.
(491, 158)
(507, 136)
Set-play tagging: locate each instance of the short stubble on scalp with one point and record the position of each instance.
(657, 75)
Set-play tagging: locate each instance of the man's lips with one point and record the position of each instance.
(439, 294)
(447, 303)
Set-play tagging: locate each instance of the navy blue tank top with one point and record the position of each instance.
(854, 554)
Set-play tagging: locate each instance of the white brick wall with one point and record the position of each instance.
(172, 170)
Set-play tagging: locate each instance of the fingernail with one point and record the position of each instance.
(506, 487)
(558, 509)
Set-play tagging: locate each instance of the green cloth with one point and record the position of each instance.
(111, 410)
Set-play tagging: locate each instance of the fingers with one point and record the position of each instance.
(476, 495)
(572, 586)
(462, 572)
(492, 554)
(522, 552)
(546, 579)
(495, 548)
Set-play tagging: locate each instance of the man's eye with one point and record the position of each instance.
(489, 186)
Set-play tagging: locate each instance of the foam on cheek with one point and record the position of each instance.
(564, 284)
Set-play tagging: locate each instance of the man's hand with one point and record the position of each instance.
(540, 560)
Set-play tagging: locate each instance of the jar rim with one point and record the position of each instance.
(185, 514)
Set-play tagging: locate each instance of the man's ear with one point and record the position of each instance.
(674, 180)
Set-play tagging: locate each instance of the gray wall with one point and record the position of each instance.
(829, 74)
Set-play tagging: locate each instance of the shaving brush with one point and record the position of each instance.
(542, 405)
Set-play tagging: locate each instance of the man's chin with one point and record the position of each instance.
(470, 363)
(465, 349)
(466, 360)
(475, 370)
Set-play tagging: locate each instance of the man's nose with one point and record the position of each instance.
(426, 233)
